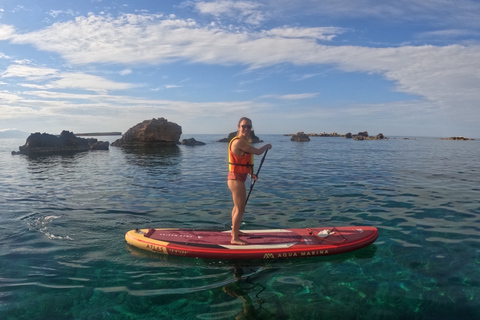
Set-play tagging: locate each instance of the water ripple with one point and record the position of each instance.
(63, 221)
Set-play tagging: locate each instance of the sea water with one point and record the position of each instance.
(63, 219)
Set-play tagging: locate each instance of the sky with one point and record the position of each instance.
(401, 68)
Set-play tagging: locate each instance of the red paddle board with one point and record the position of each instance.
(262, 244)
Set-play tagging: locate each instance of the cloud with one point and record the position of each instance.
(56, 13)
(6, 31)
(320, 33)
(151, 39)
(48, 78)
(297, 96)
(248, 11)
(429, 71)
(28, 72)
(78, 80)
(83, 110)
(125, 72)
(447, 34)
(8, 97)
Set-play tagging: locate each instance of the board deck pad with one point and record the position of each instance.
(262, 244)
(255, 238)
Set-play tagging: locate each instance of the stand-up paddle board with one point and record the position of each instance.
(262, 244)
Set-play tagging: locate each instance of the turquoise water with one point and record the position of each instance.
(63, 220)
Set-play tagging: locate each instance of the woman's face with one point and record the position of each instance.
(244, 128)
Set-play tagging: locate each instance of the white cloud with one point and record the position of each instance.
(56, 13)
(321, 33)
(295, 96)
(447, 33)
(248, 11)
(127, 39)
(28, 72)
(125, 72)
(78, 111)
(6, 31)
(7, 97)
(48, 78)
(69, 80)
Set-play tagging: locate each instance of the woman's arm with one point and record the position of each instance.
(242, 145)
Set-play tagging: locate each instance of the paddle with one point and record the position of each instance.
(253, 180)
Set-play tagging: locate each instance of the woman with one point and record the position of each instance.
(240, 166)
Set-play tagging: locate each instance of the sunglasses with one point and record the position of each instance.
(246, 126)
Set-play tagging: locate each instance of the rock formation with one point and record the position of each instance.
(192, 142)
(66, 142)
(360, 136)
(253, 137)
(458, 138)
(364, 136)
(151, 133)
(300, 137)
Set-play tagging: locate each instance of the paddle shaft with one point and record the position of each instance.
(253, 180)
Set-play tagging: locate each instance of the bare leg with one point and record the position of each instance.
(239, 194)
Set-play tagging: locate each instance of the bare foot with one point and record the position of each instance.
(238, 242)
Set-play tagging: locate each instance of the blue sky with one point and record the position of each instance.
(402, 68)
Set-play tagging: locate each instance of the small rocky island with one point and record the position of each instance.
(47, 144)
(151, 133)
(300, 137)
(303, 137)
(458, 138)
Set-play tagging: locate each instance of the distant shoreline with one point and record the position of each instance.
(99, 134)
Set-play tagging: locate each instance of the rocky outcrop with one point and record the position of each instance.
(98, 145)
(458, 138)
(364, 136)
(151, 133)
(300, 137)
(66, 142)
(232, 135)
(360, 136)
(192, 142)
(323, 134)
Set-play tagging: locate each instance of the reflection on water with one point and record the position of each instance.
(152, 157)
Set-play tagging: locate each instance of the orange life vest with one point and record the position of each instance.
(243, 164)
